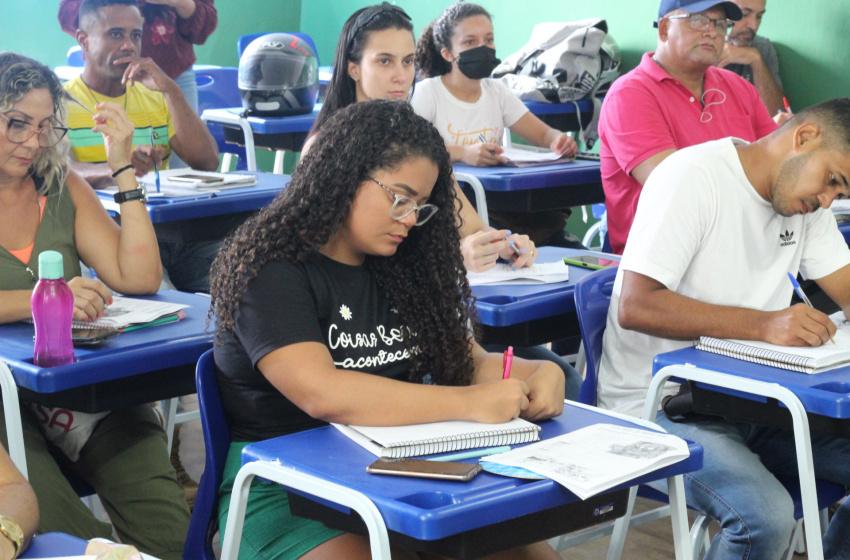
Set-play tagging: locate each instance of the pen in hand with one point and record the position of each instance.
(787, 106)
(484, 141)
(153, 155)
(507, 360)
(803, 295)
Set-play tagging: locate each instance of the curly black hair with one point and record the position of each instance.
(438, 35)
(353, 39)
(425, 279)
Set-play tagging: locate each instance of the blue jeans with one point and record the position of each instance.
(189, 87)
(187, 265)
(737, 486)
(572, 378)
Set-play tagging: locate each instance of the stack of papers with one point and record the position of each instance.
(538, 273)
(170, 188)
(529, 156)
(124, 312)
(593, 459)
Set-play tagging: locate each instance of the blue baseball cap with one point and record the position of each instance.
(733, 12)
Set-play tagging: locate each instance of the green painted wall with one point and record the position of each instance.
(811, 36)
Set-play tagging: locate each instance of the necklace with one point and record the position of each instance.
(91, 93)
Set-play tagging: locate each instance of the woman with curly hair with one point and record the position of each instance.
(346, 301)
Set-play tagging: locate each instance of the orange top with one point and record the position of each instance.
(24, 254)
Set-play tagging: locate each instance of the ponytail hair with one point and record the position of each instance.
(438, 36)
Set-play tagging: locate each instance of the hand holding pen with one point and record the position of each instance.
(507, 361)
(799, 290)
(781, 116)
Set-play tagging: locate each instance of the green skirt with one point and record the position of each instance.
(270, 532)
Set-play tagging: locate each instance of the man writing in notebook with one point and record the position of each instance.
(717, 229)
(675, 98)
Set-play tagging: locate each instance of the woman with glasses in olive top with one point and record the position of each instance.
(45, 206)
(346, 300)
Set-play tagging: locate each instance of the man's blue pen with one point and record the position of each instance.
(799, 290)
(803, 295)
(155, 168)
(473, 453)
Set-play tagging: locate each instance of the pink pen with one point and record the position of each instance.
(507, 360)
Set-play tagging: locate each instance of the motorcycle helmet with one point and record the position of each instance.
(278, 76)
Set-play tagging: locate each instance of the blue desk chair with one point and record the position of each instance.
(218, 88)
(245, 40)
(204, 522)
(593, 297)
(75, 56)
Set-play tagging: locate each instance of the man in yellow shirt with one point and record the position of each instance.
(110, 35)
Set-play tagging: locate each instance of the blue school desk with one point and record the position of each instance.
(54, 545)
(796, 401)
(533, 189)
(206, 204)
(530, 314)
(461, 520)
(844, 228)
(275, 133)
(825, 396)
(563, 116)
(132, 368)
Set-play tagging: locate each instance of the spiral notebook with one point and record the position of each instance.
(805, 359)
(439, 437)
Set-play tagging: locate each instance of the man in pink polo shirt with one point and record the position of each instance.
(675, 98)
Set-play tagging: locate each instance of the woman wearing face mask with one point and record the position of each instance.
(457, 52)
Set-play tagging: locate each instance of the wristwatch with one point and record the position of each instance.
(139, 193)
(13, 532)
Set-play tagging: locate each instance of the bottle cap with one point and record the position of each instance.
(50, 265)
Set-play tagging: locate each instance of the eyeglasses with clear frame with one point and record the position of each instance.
(700, 22)
(18, 132)
(404, 205)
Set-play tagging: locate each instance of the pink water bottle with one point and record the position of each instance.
(52, 312)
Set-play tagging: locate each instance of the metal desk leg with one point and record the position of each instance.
(278, 161)
(250, 154)
(802, 437)
(378, 538)
(12, 410)
(478, 190)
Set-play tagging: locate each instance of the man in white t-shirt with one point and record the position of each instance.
(718, 227)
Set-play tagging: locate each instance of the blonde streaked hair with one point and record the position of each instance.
(18, 76)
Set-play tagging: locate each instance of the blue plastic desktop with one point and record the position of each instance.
(826, 394)
(204, 205)
(54, 545)
(128, 357)
(428, 510)
(545, 187)
(844, 228)
(505, 305)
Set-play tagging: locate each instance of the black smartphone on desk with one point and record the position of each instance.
(83, 337)
(442, 470)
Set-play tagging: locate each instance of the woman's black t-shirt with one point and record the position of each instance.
(321, 301)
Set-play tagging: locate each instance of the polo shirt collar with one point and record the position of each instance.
(657, 73)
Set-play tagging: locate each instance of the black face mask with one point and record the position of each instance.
(477, 63)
